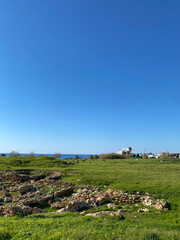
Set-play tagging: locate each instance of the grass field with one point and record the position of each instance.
(155, 176)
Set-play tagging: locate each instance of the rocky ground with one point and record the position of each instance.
(24, 192)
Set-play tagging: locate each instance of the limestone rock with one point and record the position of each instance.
(161, 204)
(110, 205)
(7, 199)
(103, 199)
(25, 188)
(64, 191)
(104, 213)
(38, 210)
(144, 210)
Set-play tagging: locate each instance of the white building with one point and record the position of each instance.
(126, 150)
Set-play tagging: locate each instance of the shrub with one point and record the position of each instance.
(4, 235)
(111, 156)
(15, 162)
(3, 155)
(76, 157)
(91, 157)
(151, 236)
(13, 153)
(96, 156)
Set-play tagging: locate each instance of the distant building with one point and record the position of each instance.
(160, 154)
(124, 150)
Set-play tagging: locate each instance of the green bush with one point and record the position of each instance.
(111, 156)
(15, 162)
(151, 236)
(4, 235)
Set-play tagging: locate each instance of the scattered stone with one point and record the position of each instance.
(38, 210)
(110, 205)
(123, 210)
(38, 177)
(7, 199)
(144, 210)
(161, 204)
(147, 201)
(104, 213)
(72, 174)
(55, 177)
(103, 199)
(64, 191)
(64, 196)
(25, 188)
(120, 196)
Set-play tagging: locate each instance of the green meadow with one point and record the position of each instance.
(159, 177)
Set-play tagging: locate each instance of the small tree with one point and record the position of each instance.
(76, 157)
(56, 155)
(96, 156)
(130, 149)
(32, 154)
(91, 157)
(14, 153)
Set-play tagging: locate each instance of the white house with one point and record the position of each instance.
(126, 150)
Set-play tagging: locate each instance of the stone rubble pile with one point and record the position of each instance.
(159, 204)
(12, 210)
(26, 193)
(120, 196)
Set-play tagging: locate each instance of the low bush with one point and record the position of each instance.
(4, 235)
(151, 236)
(111, 156)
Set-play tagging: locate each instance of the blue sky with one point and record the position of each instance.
(89, 76)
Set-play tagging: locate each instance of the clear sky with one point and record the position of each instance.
(89, 76)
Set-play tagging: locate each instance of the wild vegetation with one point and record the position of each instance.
(160, 178)
(111, 156)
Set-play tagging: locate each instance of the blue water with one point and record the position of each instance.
(63, 156)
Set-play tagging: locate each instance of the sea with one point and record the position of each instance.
(63, 156)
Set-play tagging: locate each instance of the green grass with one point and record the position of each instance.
(160, 178)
